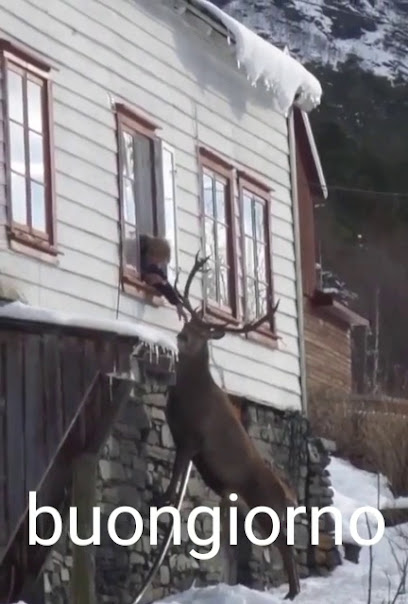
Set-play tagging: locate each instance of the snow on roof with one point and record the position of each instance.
(149, 335)
(289, 81)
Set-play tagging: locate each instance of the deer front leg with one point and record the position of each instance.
(286, 551)
(181, 461)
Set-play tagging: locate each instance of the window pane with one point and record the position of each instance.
(127, 155)
(15, 96)
(36, 156)
(38, 207)
(144, 193)
(169, 209)
(251, 299)
(129, 202)
(208, 195)
(17, 155)
(223, 286)
(210, 279)
(18, 198)
(249, 257)
(221, 193)
(130, 246)
(222, 250)
(260, 221)
(34, 106)
(248, 222)
(262, 299)
(209, 239)
(260, 261)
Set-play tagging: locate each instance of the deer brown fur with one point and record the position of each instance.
(207, 431)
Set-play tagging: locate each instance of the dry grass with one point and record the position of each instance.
(372, 436)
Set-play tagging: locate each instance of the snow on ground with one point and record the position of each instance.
(353, 489)
(348, 584)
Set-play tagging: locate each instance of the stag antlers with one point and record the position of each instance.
(197, 318)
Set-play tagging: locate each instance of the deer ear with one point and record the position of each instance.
(217, 334)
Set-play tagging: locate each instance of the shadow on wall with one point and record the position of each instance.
(199, 56)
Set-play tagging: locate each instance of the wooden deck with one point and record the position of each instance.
(56, 401)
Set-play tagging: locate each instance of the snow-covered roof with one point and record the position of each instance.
(289, 82)
(23, 312)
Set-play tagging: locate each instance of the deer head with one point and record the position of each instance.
(196, 332)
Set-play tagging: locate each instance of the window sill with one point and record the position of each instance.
(136, 288)
(222, 314)
(264, 337)
(25, 243)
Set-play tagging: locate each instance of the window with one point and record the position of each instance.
(219, 238)
(256, 252)
(29, 155)
(170, 212)
(141, 187)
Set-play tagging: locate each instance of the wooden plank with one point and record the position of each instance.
(3, 442)
(53, 403)
(83, 499)
(36, 417)
(91, 367)
(71, 377)
(15, 429)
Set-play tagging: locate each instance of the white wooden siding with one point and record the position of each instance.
(146, 55)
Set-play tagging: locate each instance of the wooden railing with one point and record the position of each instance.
(55, 402)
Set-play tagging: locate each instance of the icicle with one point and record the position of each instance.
(239, 64)
(229, 40)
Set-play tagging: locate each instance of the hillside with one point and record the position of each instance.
(358, 50)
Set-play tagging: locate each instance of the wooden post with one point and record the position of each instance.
(83, 498)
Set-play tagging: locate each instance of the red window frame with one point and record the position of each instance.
(260, 194)
(31, 69)
(132, 123)
(219, 170)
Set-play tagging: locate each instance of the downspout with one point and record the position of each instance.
(298, 258)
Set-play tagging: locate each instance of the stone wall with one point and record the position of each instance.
(135, 466)
(324, 557)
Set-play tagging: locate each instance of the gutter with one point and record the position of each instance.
(298, 259)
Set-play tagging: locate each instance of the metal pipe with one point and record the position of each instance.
(166, 542)
(298, 258)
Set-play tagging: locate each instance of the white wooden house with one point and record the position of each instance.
(82, 84)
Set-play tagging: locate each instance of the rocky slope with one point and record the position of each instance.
(358, 49)
(375, 32)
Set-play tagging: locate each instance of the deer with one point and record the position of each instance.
(207, 432)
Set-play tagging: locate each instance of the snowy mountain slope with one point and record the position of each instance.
(331, 31)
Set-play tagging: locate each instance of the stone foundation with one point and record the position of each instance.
(136, 465)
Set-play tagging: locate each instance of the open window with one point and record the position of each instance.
(219, 235)
(29, 152)
(170, 207)
(256, 251)
(147, 192)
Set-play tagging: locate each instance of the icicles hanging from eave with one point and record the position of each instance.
(289, 82)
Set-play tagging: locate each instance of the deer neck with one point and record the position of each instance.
(195, 368)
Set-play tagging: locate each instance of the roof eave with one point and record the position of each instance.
(314, 153)
(333, 308)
